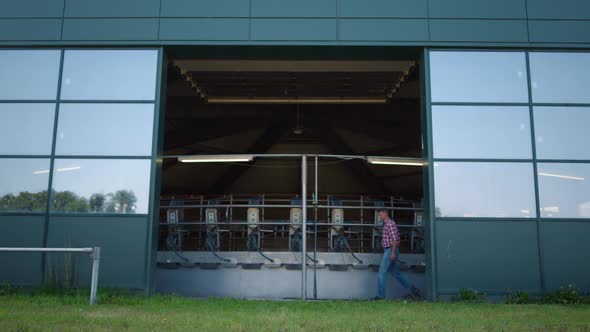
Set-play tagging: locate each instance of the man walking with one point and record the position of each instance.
(390, 260)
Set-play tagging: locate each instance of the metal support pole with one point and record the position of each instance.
(362, 222)
(229, 216)
(304, 227)
(315, 231)
(95, 269)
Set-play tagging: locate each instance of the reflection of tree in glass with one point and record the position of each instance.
(121, 201)
(438, 212)
(67, 201)
(24, 201)
(97, 202)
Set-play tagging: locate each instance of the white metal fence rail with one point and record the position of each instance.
(93, 252)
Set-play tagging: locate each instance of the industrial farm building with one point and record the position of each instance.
(241, 148)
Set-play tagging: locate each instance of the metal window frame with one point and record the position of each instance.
(428, 180)
(52, 156)
(538, 220)
(151, 241)
(530, 104)
(57, 102)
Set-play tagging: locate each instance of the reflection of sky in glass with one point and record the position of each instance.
(478, 77)
(560, 77)
(23, 175)
(484, 189)
(564, 190)
(29, 74)
(88, 176)
(109, 75)
(481, 132)
(562, 132)
(105, 129)
(26, 128)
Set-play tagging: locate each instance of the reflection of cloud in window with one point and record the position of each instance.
(550, 210)
(584, 209)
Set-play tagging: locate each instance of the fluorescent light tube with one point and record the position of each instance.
(229, 158)
(65, 169)
(395, 161)
(240, 100)
(569, 177)
(59, 170)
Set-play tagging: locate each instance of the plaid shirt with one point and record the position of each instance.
(390, 234)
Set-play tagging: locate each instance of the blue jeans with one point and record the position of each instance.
(386, 266)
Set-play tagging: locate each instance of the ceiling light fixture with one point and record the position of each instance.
(65, 169)
(229, 158)
(395, 161)
(239, 100)
(59, 170)
(562, 176)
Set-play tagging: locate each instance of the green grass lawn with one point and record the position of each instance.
(71, 313)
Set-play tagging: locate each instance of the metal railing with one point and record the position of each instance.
(93, 252)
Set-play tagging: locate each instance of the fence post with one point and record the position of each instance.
(95, 268)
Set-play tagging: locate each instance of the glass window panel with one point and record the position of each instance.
(101, 186)
(24, 185)
(481, 132)
(26, 129)
(560, 77)
(478, 77)
(484, 189)
(105, 129)
(562, 132)
(564, 190)
(109, 75)
(29, 74)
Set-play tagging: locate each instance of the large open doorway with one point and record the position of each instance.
(232, 208)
